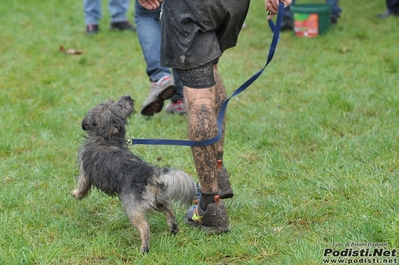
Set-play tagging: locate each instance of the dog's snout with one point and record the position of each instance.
(127, 97)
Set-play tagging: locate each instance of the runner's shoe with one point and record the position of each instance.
(178, 107)
(213, 220)
(161, 90)
(122, 25)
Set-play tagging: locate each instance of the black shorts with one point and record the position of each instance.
(197, 32)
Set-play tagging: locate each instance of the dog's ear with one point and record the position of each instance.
(106, 126)
(85, 125)
(91, 121)
(93, 116)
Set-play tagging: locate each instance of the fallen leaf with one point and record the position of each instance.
(69, 51)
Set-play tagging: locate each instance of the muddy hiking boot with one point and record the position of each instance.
(213, 220)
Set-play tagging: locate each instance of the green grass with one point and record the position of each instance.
(311, 147)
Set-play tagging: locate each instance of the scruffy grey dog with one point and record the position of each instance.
(107, 164)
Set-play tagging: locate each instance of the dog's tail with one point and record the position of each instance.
(180, 186)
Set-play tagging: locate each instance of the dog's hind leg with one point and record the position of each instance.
(84, 186)
(165, 207)
(136, 214)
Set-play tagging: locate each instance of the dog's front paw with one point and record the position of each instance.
(145, 248)
(77, 194)
(174, 229)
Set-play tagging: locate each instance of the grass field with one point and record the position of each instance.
(311, 146)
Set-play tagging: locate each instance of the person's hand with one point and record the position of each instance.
(150, 4)
(272, 6)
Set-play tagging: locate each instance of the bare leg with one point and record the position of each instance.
(225, 190)
(220, 97)
(202, 125)
(203, 105)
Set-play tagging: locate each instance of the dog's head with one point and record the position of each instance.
(109, 118)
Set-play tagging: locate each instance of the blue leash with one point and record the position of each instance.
(276, 35)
